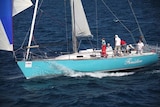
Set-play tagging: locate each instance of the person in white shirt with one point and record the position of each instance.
(140, 46)
(117, 49)
(129, 48)
(109, 47)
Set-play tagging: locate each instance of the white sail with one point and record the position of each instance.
(20, 5)
(80, 26)
(6, 13)
(4, 41)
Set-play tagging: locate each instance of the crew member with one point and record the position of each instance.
(103, 53)
(123, 46)
(117, 49)
(140, 46)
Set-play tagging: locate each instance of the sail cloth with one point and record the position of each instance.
(6, 42)
(7, 10)
(80, 26)
(20, 5)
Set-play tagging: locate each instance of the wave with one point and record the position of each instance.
(15, 77)
(155, 71)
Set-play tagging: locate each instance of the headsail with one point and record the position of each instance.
(6, 40)
(20, 5)
(79, 22)
(9, 8)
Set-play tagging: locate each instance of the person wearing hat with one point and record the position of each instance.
(109, 47)
(103, 53)
(123, 46)
(140, 46)
(117, 49)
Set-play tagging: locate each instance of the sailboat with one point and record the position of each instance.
(89, 60)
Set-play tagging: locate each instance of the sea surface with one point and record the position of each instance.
(137, 88)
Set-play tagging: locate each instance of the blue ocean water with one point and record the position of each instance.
(140, 88)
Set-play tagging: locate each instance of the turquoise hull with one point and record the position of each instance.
(48, 67)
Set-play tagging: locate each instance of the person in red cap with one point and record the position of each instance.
(123, 46)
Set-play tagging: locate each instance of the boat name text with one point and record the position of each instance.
(133, 61)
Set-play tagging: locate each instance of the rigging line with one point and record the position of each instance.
(52, 44)
(38, 17)
(140, 30)
(39, 6)
(34, 40)
(52, 18)
(40, 10)
(48, 14)
(65, 11)
(91, 43)
(119, 21)
(96, 23)
(32, 28)
(22, 45)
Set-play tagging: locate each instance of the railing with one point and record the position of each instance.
(151, 48)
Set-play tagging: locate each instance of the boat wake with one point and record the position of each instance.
(15, 77)
(71, 73)
(99, 74)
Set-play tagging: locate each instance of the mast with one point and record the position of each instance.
(32, 29)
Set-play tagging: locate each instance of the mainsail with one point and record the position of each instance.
(80, 26)
(9, 8)
(79, 21)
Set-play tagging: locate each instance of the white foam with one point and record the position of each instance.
(99, 74)
(15, 77)
(61, 68)
(72, 73)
